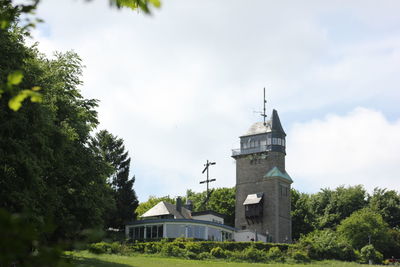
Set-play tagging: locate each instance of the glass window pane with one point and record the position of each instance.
(160, 231)
(148, 232)
(154, 231)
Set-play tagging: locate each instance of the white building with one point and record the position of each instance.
(166, 220)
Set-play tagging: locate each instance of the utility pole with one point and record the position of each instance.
(208, 180)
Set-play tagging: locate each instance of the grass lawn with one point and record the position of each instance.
(85, 259)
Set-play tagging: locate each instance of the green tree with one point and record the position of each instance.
(332, 206)
(387, 203)
(47, 169)
(363, 227)
(221, 200)
(111, 149)
(303, 218)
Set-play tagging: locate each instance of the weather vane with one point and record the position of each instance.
(207, 165)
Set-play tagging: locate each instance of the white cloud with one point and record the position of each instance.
(360, 147)
(182, 85)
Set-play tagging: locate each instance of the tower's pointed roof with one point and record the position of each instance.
(276, 125)
(272, 125)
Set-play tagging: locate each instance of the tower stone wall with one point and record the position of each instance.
(264, 172)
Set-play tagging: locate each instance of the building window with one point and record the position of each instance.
(269, 141)
(148, 232)
(154, 231)
(274, 141)
(263, 143)
(283, 191)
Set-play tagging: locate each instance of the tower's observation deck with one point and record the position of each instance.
(262, 137)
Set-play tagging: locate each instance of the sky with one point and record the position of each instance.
(180, 86)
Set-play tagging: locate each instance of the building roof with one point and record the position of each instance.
(165, 208)
(253, 199)
(198, 213)
(272, 125)
(275, 172)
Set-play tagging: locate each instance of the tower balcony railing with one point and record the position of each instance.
(246, 151)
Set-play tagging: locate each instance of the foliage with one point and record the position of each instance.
(386, 203)
(111, 149)
(303, 218)
(275, 254)
(48, 171)
(369, 253)
(298, 256)
(218, 252)
(221, 200)
(332, 206)
(21, 245)
(326, 244)
(364, 226)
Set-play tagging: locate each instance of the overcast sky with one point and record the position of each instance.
(182, 85)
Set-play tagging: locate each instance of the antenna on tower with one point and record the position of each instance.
(264, 114)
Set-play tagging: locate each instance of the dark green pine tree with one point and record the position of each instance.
(112, 150)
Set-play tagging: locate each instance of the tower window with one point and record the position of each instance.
(269, 141)
(274, 141)
(283, 142)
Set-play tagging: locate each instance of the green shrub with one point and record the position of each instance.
(115, 247)
(153, 247)
(275, 254)
(326, 244)
(205, 256)
(218, 252)
(171, 249)
(193, 247)
(99, 248)
(299, 256)
(368, 253)
(254, 255)
(191, 255)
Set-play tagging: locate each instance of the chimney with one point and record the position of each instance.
(179, 204)
(189, 204)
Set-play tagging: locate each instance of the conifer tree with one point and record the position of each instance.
(112, 150)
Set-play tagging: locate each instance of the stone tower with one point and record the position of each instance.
(262, 184)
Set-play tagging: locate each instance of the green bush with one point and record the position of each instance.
(99, 248)
(153, 247)
(218, 252)
(275, 254)
(171, 249)
(254, 255)
(115, 248)
(368, 253)
(299, 256)
(194, 247)
(205, 256)
(326, 244)
(191, 255)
